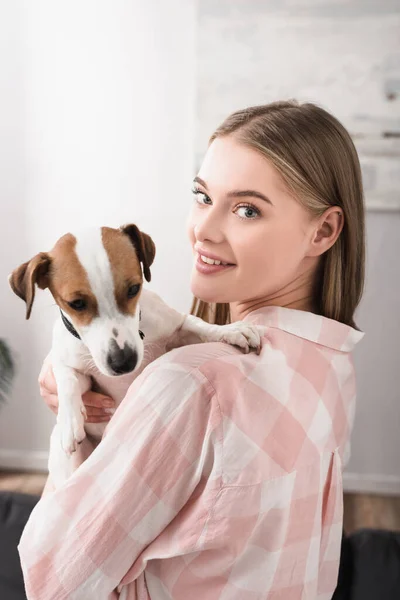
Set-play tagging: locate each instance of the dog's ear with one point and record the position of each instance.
(23, 279)
(144, 247)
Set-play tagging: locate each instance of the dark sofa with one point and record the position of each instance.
(14, 513)
(369, 564)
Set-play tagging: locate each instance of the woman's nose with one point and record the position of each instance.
(209, 226)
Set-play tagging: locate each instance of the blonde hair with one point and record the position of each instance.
(316, 158)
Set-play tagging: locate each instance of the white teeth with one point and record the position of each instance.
(210, 261)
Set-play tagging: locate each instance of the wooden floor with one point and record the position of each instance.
(370, 510)
(26, 483)
(360, 510)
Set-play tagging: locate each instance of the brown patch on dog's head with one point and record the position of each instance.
(62, 273)
(23, 279)
(144, 245)
(69, 281)
(125, 265)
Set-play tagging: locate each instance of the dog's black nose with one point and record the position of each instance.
(121, 360)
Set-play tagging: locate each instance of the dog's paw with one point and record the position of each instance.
(241, 334)
(72, 432)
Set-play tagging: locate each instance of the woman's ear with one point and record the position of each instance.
(329, 227)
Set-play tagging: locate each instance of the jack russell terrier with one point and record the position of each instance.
(103, 332)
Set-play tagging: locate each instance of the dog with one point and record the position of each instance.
(107, 322)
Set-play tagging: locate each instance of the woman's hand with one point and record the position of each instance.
(99, 407)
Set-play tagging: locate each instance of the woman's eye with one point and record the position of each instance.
(248, 212)
(78, 305)
(201, 197)
(133, 290)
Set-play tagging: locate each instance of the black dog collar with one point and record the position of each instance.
(140, 318)
(74, 332)
(69, 326)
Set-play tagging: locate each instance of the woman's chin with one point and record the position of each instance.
(206, 291)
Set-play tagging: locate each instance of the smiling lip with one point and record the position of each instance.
(212, 256)
(207, 269)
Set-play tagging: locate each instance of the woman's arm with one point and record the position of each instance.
(87, 534)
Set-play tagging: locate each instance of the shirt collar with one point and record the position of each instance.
(308, 326)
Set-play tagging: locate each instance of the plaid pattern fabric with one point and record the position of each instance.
(219, 477)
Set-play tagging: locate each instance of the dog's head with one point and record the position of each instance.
(96, 279)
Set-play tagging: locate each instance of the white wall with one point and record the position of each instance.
(374, 464)
(343, 55)
(96, 121)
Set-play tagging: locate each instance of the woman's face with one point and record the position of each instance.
(243, 215)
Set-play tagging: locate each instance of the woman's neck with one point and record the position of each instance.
(297, 295)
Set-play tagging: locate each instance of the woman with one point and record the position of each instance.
(220, 476)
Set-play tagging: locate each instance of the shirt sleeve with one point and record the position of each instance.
(84, 537)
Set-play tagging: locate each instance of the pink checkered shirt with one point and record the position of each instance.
(219, 477)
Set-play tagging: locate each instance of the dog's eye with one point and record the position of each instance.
(133, 290)
(77, 304)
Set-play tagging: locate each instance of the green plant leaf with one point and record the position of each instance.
(7, 370)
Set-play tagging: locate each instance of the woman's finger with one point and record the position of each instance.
(93, 419)
(51, 401)
(99, 412)
(47, 381)
(94, 415)
(97, 400)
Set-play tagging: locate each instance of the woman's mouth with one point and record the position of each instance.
(207, 265)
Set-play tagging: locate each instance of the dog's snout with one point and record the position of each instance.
(121, 360)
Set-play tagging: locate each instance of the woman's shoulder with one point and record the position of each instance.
(204, 358)
(302, 354)
(213, 364)
(295, 386)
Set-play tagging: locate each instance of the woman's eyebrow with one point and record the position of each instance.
(248, 194)
(237, 193)
(201, 182)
